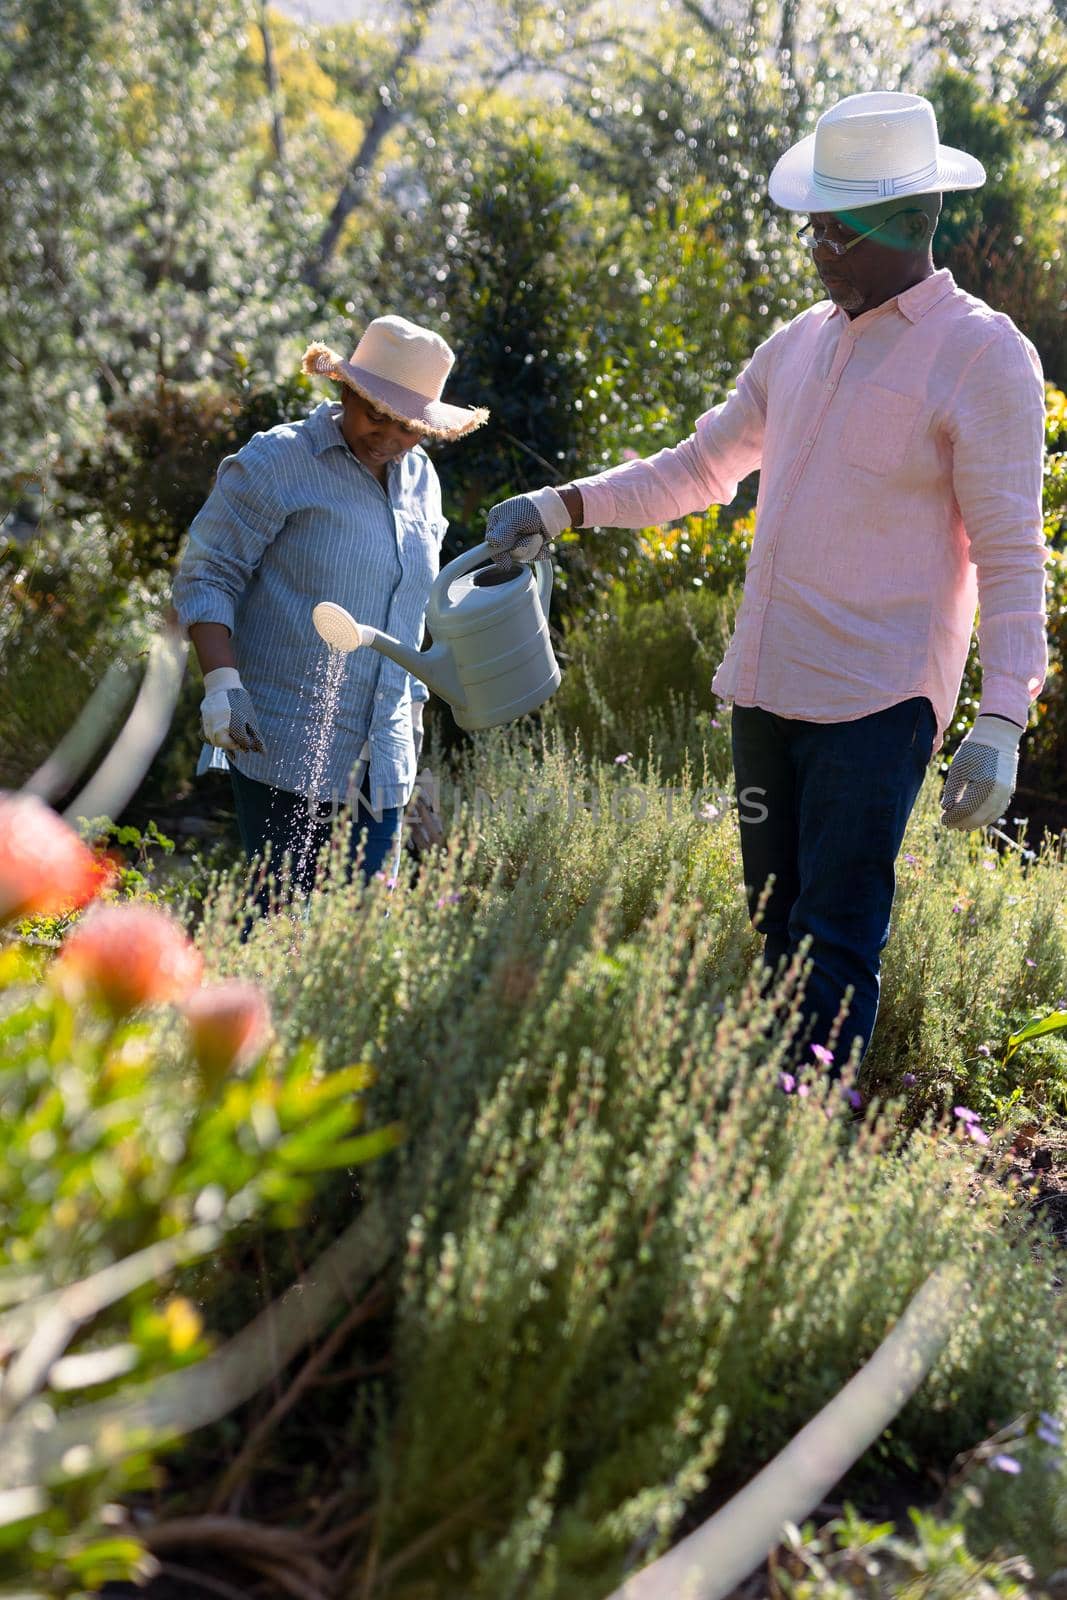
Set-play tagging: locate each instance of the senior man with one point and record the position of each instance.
(899, 427)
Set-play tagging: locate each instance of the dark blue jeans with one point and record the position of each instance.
(824, 806)
(291, 826)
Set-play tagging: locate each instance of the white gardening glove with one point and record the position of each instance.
(416, 727)
(227, 714)
(981, 778)
(519, 529)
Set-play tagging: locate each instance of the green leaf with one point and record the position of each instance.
(1054, 1022)
(347, 1153)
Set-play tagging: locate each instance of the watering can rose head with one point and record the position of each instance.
(491, 658)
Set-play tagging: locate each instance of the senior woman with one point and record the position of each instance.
(344, 505)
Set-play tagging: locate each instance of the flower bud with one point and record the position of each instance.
(128, 956)
(44, 867)
(229, 1025)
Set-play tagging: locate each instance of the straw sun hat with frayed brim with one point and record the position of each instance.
(401, 369)
(867, 149)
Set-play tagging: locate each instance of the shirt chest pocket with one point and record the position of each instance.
(419, 539)
(879, 428)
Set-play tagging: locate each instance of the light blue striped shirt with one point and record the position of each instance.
(295, 518)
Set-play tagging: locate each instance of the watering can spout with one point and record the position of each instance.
(491, 658)
(435, 667)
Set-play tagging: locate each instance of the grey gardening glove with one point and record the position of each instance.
(227, 714)
(981, 779)
(519, 529)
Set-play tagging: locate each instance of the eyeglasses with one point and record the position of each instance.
(812, 241)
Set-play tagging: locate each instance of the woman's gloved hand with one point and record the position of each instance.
(423, 827)
(981, 780)
(519, 529)
(227, 714)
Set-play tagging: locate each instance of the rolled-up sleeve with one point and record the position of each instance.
(419, 691)
(227, 538)
(704, 469)
(997, 430)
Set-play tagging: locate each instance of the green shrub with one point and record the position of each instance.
(626, 1266)
(65, 616)
(978, 946)
(153, 470)
(637, 678)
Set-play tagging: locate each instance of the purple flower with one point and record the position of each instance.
(983, 1050)
(913, 861)
(803, 1090)
(1049, 1435)
(786, 1082)
(620, 761)
(908, 1079)
(854, 1098)
(965, 1114)
(989, 866)
(822, 1055)
(449, 900)
(1047, 1420)
(1004, 1463)
(977, 1134)
(1030, 963)
(957, 907)
(715, 722)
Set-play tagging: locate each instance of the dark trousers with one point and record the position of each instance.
(824, 806)
(298, 828)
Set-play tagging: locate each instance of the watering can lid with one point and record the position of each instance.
(486, 594)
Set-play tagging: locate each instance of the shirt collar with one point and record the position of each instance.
(921, 297)
(914, 303)
(324, 427)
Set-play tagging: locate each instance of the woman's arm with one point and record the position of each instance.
(213, 644)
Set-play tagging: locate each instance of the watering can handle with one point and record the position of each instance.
(474, 557)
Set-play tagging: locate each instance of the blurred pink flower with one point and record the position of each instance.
(822, 1055)
(128, 956)
(229, 1025)
(44, 867)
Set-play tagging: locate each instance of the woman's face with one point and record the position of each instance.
(372, 437)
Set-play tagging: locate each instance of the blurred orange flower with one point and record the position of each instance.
(229, 1025)
(44, 867)
(128, 956)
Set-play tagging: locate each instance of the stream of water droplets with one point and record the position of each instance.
(329, 681)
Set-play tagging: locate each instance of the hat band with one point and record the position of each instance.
(881, 188)
(409, 402)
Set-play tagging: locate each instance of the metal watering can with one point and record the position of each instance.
(491, 657)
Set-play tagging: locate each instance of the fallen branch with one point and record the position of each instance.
(710, 1563)
(245, 1457)
(280, 1554)
(180, 1402)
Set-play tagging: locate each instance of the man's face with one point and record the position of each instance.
(879, 266)
(373, 437)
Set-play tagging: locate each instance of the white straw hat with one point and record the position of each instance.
(401, 369)
(867, 149)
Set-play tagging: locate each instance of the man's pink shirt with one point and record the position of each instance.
(900, 458)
